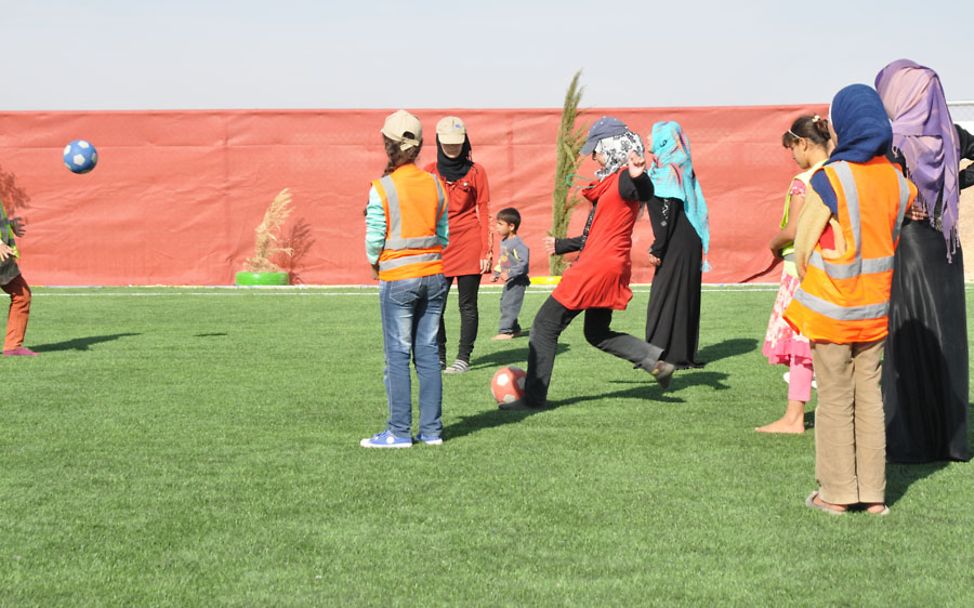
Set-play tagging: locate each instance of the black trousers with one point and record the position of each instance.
(551, 320)
(467, 288)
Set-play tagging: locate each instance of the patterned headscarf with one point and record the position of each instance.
(924, 133)
(616, 150)
(673, 177)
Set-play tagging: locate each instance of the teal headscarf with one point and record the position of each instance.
(673, 177)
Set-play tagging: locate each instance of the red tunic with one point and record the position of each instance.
(600, 276)
(469, 217)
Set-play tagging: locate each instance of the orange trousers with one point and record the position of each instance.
(19, 312)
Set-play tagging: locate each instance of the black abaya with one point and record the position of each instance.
(925, 370)
(673, 317)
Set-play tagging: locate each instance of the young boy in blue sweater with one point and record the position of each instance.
(513, 269)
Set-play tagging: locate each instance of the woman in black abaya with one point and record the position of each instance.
(678, 212)
(925, 370)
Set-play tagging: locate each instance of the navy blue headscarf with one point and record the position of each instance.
(863, 132)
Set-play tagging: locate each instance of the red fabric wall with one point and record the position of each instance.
(177, 194)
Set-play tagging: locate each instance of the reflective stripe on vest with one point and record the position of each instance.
(841, 313)
(858, 265)
(395, 240)
(409, 259)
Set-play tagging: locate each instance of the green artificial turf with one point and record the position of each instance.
(191, 447)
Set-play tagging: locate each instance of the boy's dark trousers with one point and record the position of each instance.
(511, 300)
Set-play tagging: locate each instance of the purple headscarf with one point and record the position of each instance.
(924, 133)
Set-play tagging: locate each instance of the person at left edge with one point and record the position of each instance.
(13, 283)
(406, 231)
(471, 241)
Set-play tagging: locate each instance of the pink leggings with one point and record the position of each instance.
(800, 380)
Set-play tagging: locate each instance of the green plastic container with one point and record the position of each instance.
(253, 279)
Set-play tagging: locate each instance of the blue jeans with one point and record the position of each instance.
(411, 311)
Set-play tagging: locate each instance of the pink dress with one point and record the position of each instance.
(782, 346)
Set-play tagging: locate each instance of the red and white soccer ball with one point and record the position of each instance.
(507, 385)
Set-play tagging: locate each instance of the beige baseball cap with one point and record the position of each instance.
(404, 129)
(450, 130)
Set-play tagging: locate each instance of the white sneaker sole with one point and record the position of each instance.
(367, 443)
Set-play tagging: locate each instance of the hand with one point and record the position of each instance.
(549, 245)
(485, 265)
(637, 164)
(18, 226)
(5, 252)
(654, 261)
(375, 271)
(502, 277)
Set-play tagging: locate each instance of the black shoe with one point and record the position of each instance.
(519, 405)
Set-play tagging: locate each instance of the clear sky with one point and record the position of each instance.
(142, 54)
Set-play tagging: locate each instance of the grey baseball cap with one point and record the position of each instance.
(603, 127)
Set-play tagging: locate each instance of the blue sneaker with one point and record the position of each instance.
(386, 439)
(421, 438)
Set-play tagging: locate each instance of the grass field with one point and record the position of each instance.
(190, 447)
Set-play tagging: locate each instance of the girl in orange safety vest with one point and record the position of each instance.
(846, 238)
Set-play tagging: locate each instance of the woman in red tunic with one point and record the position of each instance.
(469, 254)
(598, 282)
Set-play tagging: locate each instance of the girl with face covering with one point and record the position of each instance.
(925, 374)
(468, 257)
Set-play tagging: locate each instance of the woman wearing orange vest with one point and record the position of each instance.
(846, 238)
(406, 231)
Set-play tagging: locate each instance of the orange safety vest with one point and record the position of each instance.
(845, 299)
(413, 201)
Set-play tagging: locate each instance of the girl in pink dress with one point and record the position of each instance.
(810, 144)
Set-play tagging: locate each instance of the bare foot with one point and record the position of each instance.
(783, 425)
(793, 422)
(503, 337)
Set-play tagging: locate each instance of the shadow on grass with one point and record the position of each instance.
(726, 349)
(646, 390)
(516, 355)
(80, 344)
(216, 334)
(899, 477)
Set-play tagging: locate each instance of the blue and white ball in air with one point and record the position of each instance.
(80, 156)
